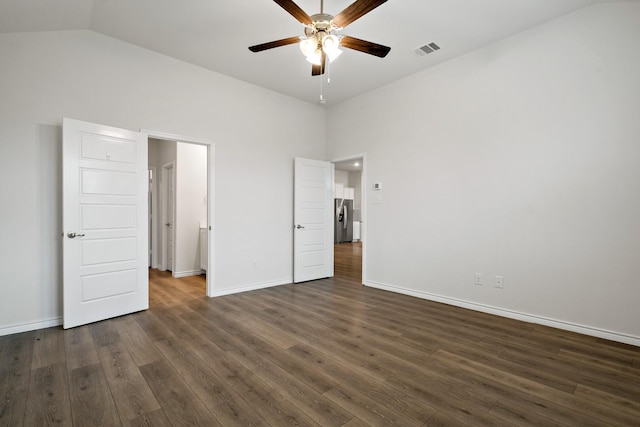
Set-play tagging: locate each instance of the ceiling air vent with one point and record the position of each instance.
(426, 49)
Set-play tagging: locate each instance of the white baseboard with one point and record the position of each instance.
(179, 274)
(558, 324)
(31, 326)
(253, 287)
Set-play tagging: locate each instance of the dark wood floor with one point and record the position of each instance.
(347, 261)
(321, 353)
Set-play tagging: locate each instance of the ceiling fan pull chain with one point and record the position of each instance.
(322, 100)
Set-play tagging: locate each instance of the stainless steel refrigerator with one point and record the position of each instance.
(343, 223)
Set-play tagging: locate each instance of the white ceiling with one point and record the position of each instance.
(215, 34)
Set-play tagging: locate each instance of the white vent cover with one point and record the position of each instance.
(426, 49)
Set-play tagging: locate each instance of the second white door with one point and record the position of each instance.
(313, 220)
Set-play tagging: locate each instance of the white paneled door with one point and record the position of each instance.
(105, 234)
(313, 220)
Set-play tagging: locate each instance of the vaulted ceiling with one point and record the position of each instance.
(215, 34)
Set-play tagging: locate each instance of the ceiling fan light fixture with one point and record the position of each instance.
(330, 42)
(315, 57)
(308, 47)
(331, 46)
(322, 39)
(332, 55)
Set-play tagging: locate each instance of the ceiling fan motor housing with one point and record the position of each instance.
(317, 32)
(322, 24)
(322, 21)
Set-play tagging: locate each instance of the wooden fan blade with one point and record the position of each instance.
(317, 70)
(355, 10)
(365, 46)
(276, 43)
(295, 11)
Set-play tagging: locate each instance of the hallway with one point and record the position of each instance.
(347, 258)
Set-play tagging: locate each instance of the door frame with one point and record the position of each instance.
(211, 272)
(164, 265)
(363, 206)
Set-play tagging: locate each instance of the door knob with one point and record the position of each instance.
(73, 235)
(168, 224)
(299, 226)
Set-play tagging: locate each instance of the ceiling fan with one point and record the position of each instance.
(322, 38)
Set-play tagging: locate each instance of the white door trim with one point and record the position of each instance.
(363, 207)
(211, 273)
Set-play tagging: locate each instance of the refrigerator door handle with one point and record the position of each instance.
(346, 219)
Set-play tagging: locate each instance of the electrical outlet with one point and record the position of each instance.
(499, 282)
(255, 263)
(478, 279)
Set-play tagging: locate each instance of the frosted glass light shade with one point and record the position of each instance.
(316, 57)
(333, 54)
(330, 43)
(308, 46)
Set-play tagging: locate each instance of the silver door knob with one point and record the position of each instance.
(299, 226)
(168, 224)
(73, 235)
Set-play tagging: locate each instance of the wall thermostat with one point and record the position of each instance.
(377, 186)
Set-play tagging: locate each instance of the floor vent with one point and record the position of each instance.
(426, 49)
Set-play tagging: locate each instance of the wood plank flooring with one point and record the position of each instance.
(328, 353)
(347, 261)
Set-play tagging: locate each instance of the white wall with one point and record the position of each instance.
(355, 182)
(341, 177)
(523, 159)
(191, 207)
(84, 75)
(152, 150)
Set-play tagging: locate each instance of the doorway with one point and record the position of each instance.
(182, 258)
(167, 215)
(349, 209)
